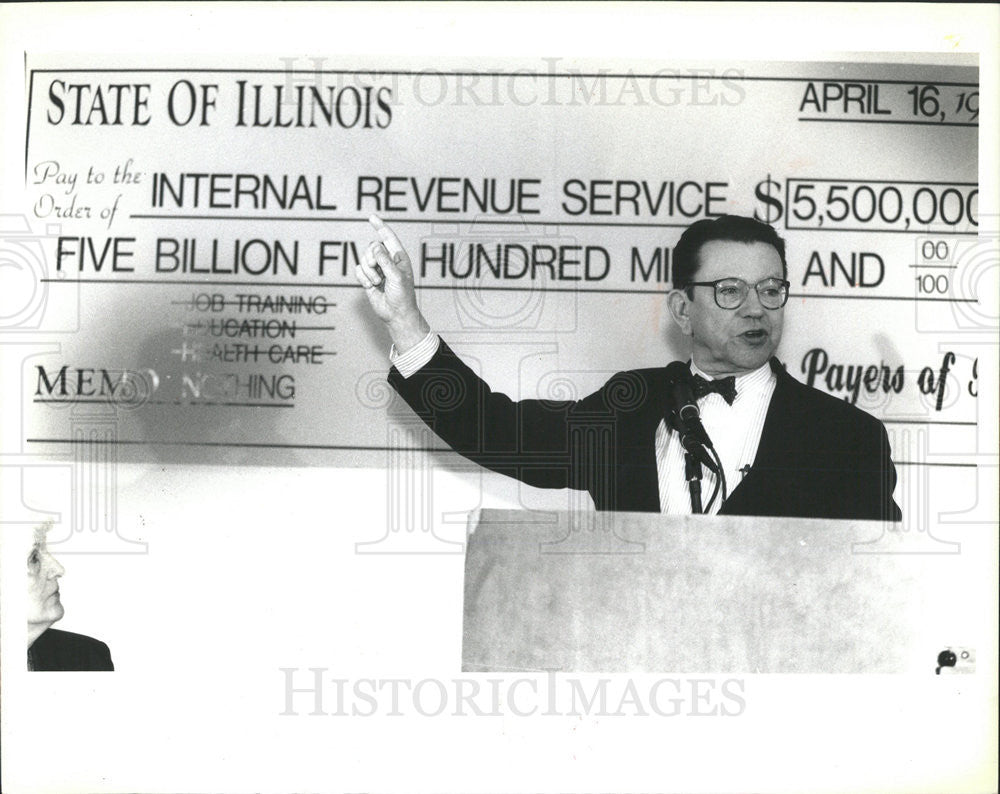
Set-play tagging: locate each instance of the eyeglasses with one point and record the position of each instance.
(730, 293)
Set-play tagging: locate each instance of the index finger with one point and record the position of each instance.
(386, 235)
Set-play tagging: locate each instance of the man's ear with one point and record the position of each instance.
(678, 304)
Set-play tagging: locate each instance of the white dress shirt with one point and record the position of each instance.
(413, 359)
(734, 429)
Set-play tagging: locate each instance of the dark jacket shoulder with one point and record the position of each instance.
(57, 650)
(804, 409)
(819, 457)
(634, 390)
(814, 399)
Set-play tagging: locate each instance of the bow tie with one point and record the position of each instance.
(724, 386)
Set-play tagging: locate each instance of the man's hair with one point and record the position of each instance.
(725, 227)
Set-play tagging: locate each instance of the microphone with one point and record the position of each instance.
(693, 437)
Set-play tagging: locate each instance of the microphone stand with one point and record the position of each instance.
(692, 473)
(685, 418)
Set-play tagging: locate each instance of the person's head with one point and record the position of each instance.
(44, 606)
(734, 328)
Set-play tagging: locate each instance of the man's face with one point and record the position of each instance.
(730, 341)
(44, 571)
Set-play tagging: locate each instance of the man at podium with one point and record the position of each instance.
(730, 432)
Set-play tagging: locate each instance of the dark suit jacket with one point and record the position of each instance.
(819, 457)
(66, 651)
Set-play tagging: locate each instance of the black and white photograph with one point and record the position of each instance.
(499, 397)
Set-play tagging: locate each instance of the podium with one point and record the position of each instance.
(639, 592)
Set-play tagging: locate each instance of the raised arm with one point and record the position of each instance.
(386, 274)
